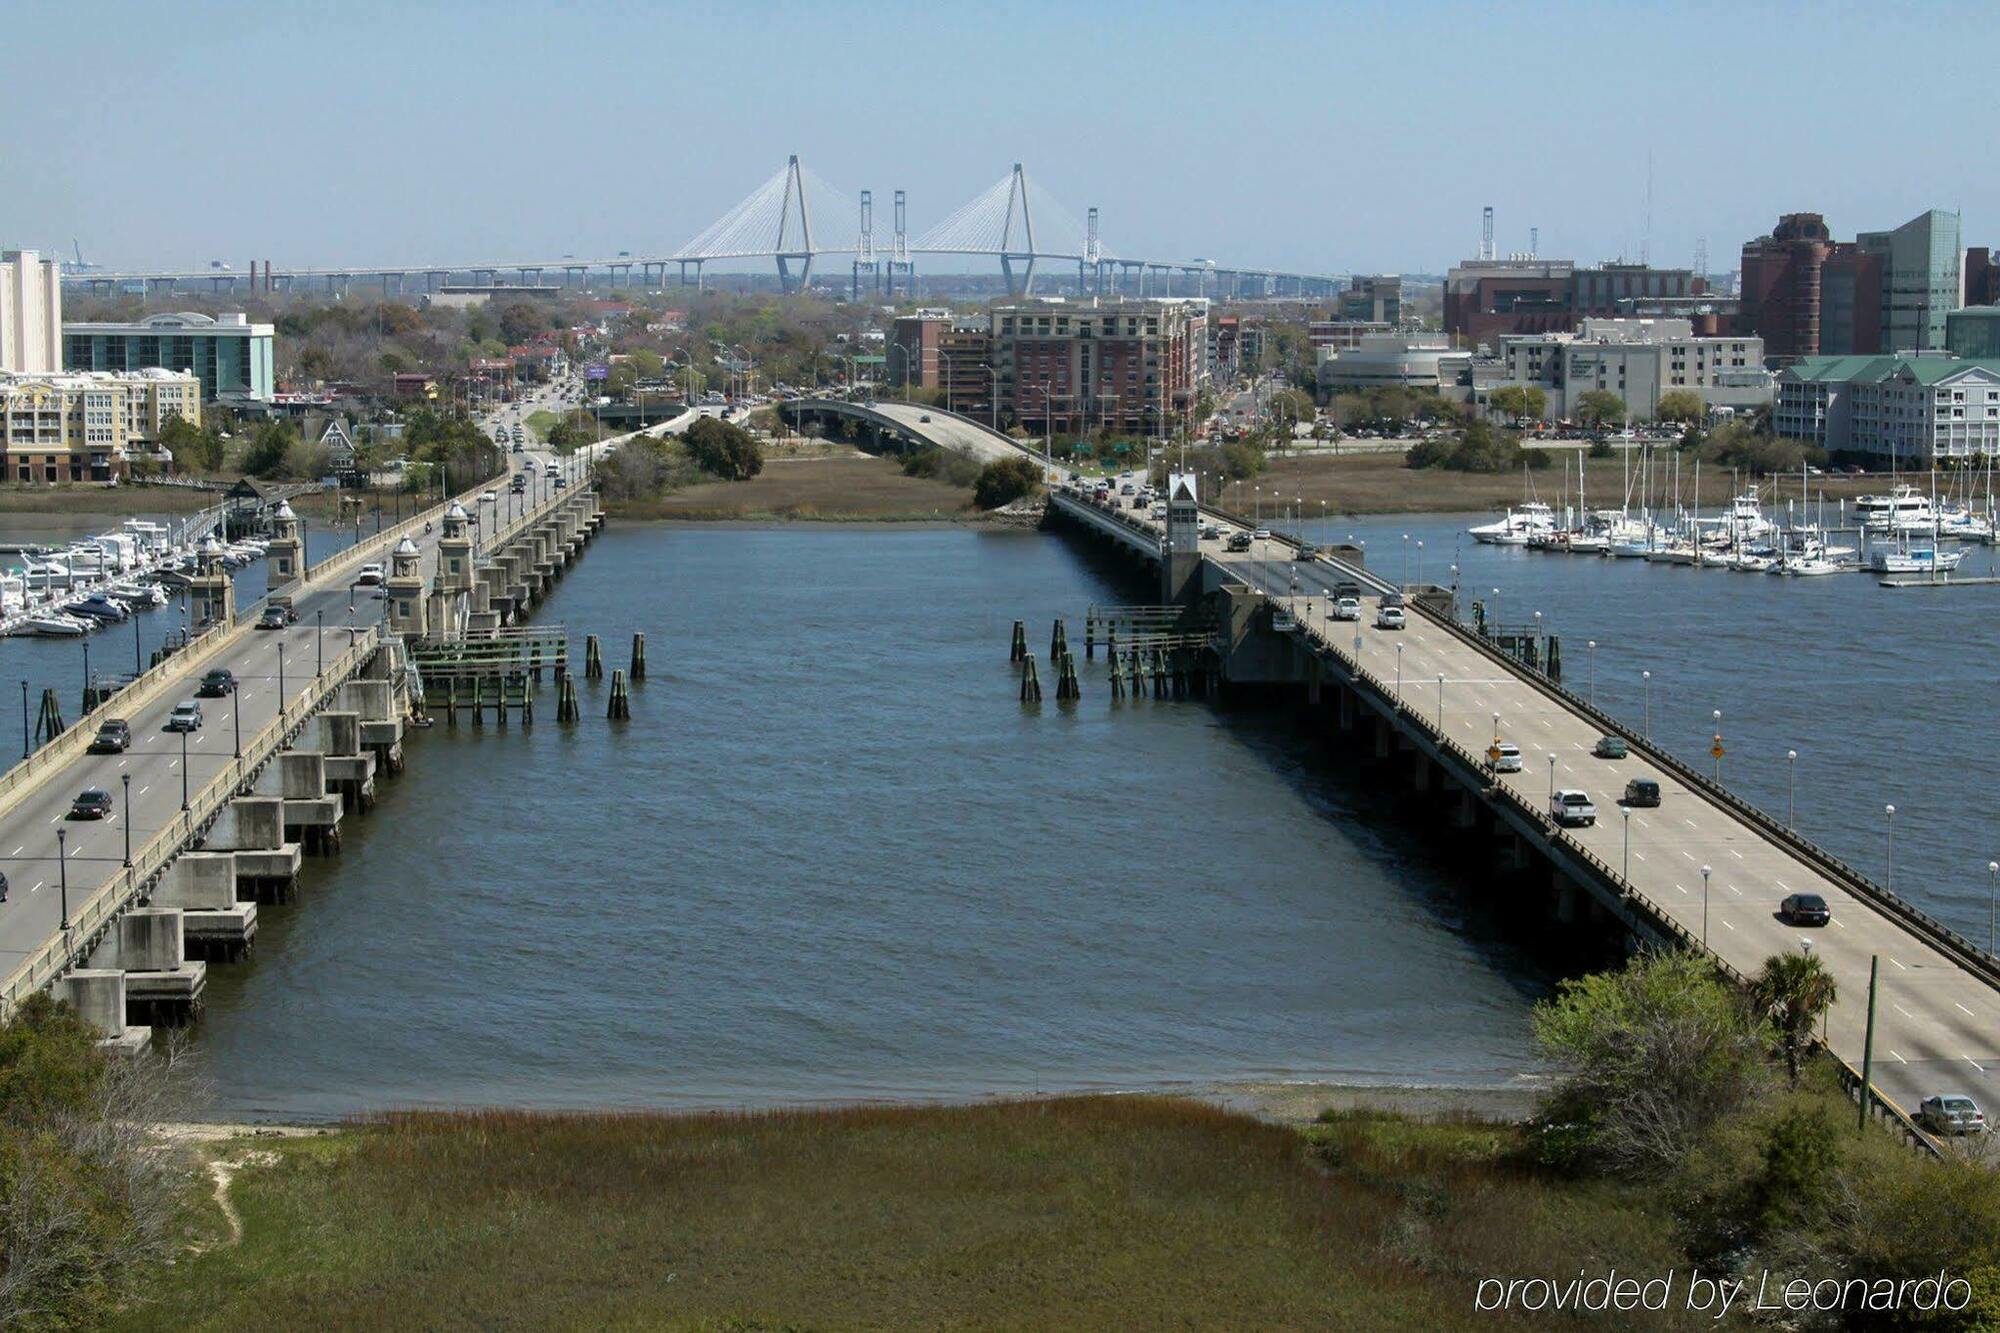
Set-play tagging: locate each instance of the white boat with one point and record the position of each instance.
(53, 626)
(1905, 511)
(1517, 526)
(1913, 560)
(137, 594)
(1812, 566)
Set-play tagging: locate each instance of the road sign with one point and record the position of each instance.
(596, 370)
(1716, 749)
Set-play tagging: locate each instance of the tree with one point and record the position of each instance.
(1004, 481)
(645, 363)
(1680, 406)
(1652, 1055)
(1599, 407)
(1792, 991)
(723, 449)
(269, 445)
(1519, 402)
(196, 448)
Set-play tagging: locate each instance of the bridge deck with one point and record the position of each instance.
(1938, 1019)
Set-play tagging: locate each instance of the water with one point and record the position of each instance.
(832, 857)
(1884, 693)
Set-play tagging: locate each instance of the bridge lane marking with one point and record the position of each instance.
(1963, 1010)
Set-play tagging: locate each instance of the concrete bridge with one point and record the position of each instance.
(897, 425)
(123, 915)
(1704, 869)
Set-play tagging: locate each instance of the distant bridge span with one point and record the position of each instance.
(915, 424)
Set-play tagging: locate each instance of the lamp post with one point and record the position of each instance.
(1715, 750)
(1552, 780)
(1791, 788)
(1704, 907)
(1646, 684)
(62, 872)
(281, 678)
(138, 653)
(1440, 727)
(184, 769)
(1889, 881)
(1496, 610)
(1625, 870)
(236, 718)
(1406, 559)
(319, 640)
(24, 719)
(1420, 560)
(1992, 901)
(1399, 672)
(127, 779)
(1590, 655)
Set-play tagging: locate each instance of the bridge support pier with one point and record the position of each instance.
(1465, 810)
(1420, 771)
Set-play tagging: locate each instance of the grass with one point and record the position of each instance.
(541, 421)
(89, 500)
(855, 487)
(1074, 1212)
(1381, 484)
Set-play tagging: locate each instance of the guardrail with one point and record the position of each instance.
(45, 964)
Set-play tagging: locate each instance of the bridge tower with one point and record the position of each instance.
(1093, 257)
(408, 612)
(864, 248)
(899, 251)
(1180, 563)
(1017, 205)
(287, 551)
(454, 574)
(792, 206)
(212, 590)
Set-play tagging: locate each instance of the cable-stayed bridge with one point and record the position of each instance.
(795, 218)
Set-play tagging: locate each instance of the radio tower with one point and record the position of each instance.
(1701, 256)
(1486, 233)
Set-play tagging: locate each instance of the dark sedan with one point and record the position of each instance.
(90, 803)
(1805, 909)
(114, 736)
(217, 684)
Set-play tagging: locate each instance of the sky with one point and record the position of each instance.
(1326, 138)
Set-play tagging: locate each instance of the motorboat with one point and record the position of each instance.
(1905, 511)
(51, 625)
(1811, 566)
(137, 594)
(1913, 560)
(1518, 525)
(97, 607)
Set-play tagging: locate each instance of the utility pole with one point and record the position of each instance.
(1868, 1042)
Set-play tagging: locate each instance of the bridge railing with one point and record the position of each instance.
(1630, 894)
(91, 917)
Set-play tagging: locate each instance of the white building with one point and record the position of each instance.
(30, 313)
(1639, 360)
(1903, 409)
(1400, 360)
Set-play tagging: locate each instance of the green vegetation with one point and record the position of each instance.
(195, 448)
(1006, 480)
(723, 449)
(1478, 448)
(1740, 444)
(1598, 408)
(941, 465)
(1682, 407)
(1391, 408)
(87, 1200)
(1519, 402)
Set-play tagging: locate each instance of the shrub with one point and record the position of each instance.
(1005, 481)
(723, 450)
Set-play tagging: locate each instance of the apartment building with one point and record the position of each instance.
(1131, 366)
(89, 427)
(30, 313)
(1907, 410)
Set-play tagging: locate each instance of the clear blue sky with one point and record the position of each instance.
(1318, 136)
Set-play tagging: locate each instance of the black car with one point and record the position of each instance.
(90, 803)
(217, 684)
(1643, 793)
(1805, 909)
(114, 736)
(276, 617)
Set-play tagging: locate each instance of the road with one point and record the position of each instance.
(1937, 1026)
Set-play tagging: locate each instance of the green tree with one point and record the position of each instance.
(1519, 402)
(723, 449)
(1682, 407)
(270, 444)
(1792, 991)
(645, 363)
(195, 448)
(1651, 1055)
(1004, 481)
(1599, 407)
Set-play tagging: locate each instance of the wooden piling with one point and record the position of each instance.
(620, 707)
(1058, 641)
(568, 709)
(1018, 650)
(1067, 689)
(50, 724)
(1090, 636)
(593, 658)
(1031, 682)
(638, 657)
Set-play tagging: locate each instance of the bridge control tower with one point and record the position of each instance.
(1180, 564)
(455, 552)
(408, 612)
(212, 590)
(287, 551)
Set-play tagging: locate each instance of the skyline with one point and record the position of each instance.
(1315, 141)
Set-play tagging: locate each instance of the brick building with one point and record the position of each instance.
(1131, 366)
(1487, 299)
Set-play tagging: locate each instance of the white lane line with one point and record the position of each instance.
(1733, 852)
(1689, 822)
(1901, 1010)
(1781, 884)
(143, 790)
(1688, 855)
(1841, 924)
(1975, 1064)
(1899, 1056)
(1963, 1010)
(1640, 855)
(56, 820)
(76, 849)
(1731, 925)
(121, 763)
(38, 885)
(22, 848)
(1733, 889)
(1893, 960)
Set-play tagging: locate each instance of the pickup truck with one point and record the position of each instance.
(1572, 809)
(1238, 541)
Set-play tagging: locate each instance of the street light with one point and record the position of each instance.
(184, 769)
(62, 872)
(1440, 726)
(281, 678)
(1420, 560)
(1704, 907)
(127, 778)
(1552, 781)
(1590, 646)
(1399, 672)
(1716, 749)
(1791, 788)
(24, 719)
(1625, 870)
(1993, 901)
(1890, 881)
(1646, 683)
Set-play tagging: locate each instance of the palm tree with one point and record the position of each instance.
(1793, 990)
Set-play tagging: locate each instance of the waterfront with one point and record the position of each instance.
(831, 857)
(1882, 692)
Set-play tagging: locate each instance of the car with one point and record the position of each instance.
(1805, 909)
(1389, 617)
(1307, 551)
(518, 447)
(1642, 793)
(551, 471)
(518, 485)
(490, 497)
(1238, 541)
(1505, 756)
(562, 483)
(924, 419)
(370, 575)
(1611, 747)
(114, 736)
(1572, 808)
(1346, 608)
(1393, 598)
(185, 717)
(90, 803)
(1128, 489)
(1950, 1113)
(217, 684)
(1261, 534)
(276, 617)
(1209, 532)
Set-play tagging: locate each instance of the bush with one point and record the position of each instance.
(941, 465)
(1005, 481)
(723, 450)
(1479, 448)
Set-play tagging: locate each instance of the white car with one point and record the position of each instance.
(1346, 608)
(1506, 757)
(1951, 1115)
(1389, 617)
(369, 576)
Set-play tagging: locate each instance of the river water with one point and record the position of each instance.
(831, 857)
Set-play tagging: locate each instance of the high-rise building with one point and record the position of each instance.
(1973, 332)
(1921, 264)
(1371, 300)
(1117, 365)
(229, 355)
(30, 313)
(1487, 299)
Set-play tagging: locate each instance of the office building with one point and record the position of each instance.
(1487, 299)
(1421, 361)
(1344, 335)
(1371, 300)
(912, 350)
(1806, 294)
(1973, 331)
(1639, 360)
(89, 427)
(1904, 410)
(1132, 366)
(228, 354)
(30, 313)
(1920, 263)
(965, 367)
